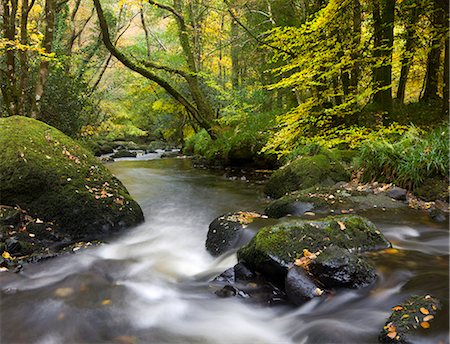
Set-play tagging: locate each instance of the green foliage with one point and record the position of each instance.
(408, 161)
(242, 136)
(67, 104)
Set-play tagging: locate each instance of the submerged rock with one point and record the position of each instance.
(299, 286)
(240, 281)
(306, 172)
(274, 249)
(225, 231)
(58, 181)
(407, 319)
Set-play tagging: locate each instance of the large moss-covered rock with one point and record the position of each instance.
(274, 249)
(54, 178)
(305, 172)
(326, 200)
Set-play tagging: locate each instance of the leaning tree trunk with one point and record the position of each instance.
(406, 64)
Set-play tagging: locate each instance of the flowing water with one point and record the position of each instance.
(151, 284)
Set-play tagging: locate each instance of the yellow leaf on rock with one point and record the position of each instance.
(392, 335)
(424, 311)
(425, 324)
(391, 251)
(6, 255)
(106, 302)
(397, 308)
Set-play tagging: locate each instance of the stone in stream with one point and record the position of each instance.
(253, 287)
(123, 153)
(305, 172)
(408, 319)
(226, 230)
(336, 267)
(274, 249)
(66, 193)
(327, 200)
(300, 287)
(397, 193)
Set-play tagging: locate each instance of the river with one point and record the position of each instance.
(151, 284)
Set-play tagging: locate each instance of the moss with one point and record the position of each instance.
(53, 177)
(306, 172)
(285, 242)
(344, 155)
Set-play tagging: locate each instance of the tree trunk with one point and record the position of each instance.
(445, 91)
(147, 34)
(10, 89)
(440, 27)
(234, 55)
(355, 71)
(50, 15)
(406, 64)
(383, 17)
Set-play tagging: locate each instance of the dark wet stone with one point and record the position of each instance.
(283, 207)
(226, 291)
(9, 215)
(397, 193)
(241, 282)
(123, 153)
(226, 230)
(408, 318)
(13, 246)
(336, 267)
(243, 273)
(299, 287)
(438, 215)
(170, 154)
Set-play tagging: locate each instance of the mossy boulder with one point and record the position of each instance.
(274, 249)
(54, 178)
(306, 172)
(123, 153)
(326, 200)
(409, 319)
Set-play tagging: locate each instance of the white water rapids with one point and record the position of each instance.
(151, 284)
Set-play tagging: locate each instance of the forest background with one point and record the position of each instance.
(240, 82)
